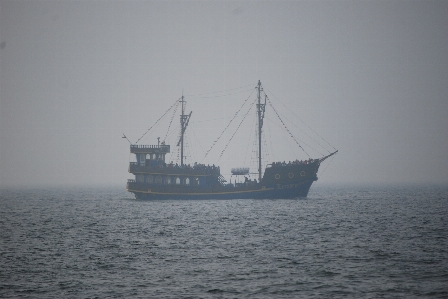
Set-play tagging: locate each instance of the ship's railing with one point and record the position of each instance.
(148, 146)
(290, 163)
(140, 148)
(172, 169)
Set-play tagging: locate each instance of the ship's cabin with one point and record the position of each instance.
(150, 155)
(150, 168)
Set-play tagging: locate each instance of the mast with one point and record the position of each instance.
(182, 122)
(184, 119)
(260, 112)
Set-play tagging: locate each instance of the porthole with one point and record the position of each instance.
(291, 175)
(277, 176)
(302, 173)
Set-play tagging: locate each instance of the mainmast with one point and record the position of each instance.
(184, 119)
(260, 112)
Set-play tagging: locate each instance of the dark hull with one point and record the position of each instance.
(279, 191)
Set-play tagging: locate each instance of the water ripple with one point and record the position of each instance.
(340, 242)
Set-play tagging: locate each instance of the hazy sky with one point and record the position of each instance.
(370, 77)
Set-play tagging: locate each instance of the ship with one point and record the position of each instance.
(155, 179)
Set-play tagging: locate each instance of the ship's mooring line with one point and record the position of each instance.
(270, 104)
(158, 120)
(303, 121)
(234, 116)
(222, 152)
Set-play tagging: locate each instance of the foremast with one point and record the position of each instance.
(260, 111)
(184, 119)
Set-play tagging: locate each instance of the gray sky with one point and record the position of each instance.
(370, 77)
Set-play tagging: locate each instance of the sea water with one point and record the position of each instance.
(340, 242)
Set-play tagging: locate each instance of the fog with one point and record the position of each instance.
(369, 77)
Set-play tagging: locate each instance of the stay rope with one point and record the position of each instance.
(158, 120)
(217, 92)
(331, 160)
(250, 108)
(171, 120)
(301, 141)
(234, 116)
(309, 138)
(305, 124)
(289, 132)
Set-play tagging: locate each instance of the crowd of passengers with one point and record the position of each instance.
(296, 162)
(195, 166)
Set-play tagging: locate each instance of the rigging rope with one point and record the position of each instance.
(224, 95)
(222, 152)
(292, 136)
(303, 142)
(171, 121)
(157, 121)
(304, 123)
(308, 137)
(234, 116)
(202, 94)
(249, 140)
(172, 133)
(197, 140)
(322, 172)
(270, 141)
